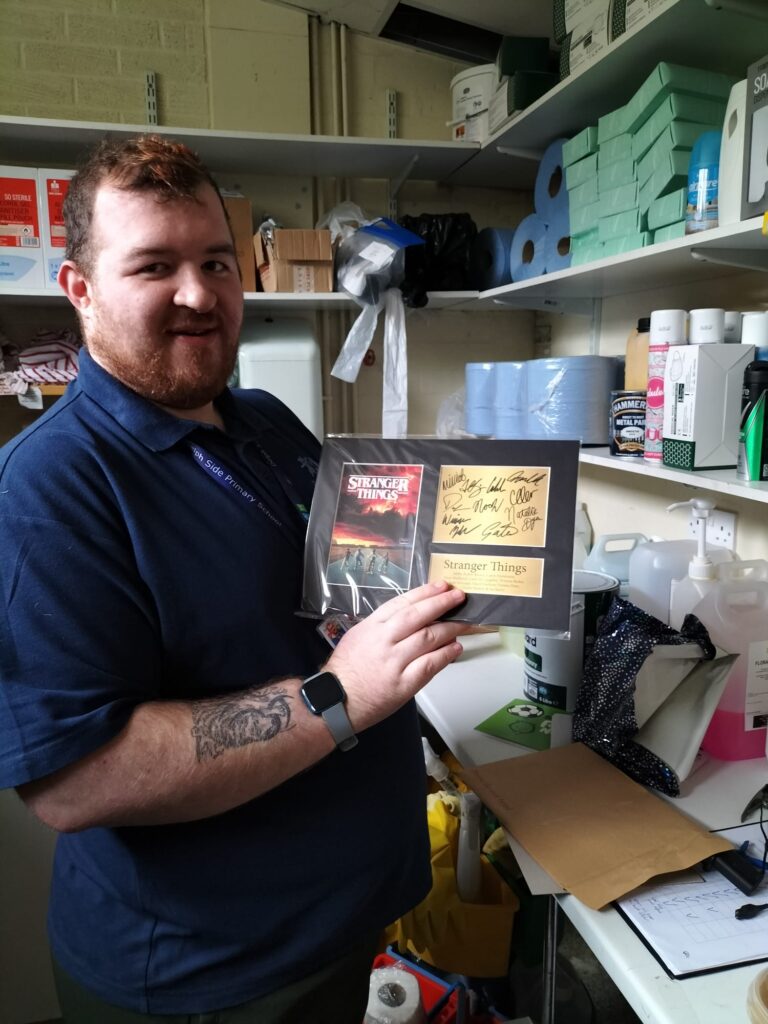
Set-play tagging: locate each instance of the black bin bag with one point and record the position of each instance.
(442, 264)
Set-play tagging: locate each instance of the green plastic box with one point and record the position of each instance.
(668, 209)
(671, 176)
(622, 172)
(584, 194)
(580, 145)
(586, 241)
(580, 172)
(679, 135)
(520, 53)
(670, 232)
(618, 246)
(674, 78)
(589, 255)
(617, 148)
(612, 124)
(708, 114)
(619, 200)
(631, 222)
(584, 218)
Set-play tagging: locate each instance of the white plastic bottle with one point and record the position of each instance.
(668, 327)
(685, 593)
(469, 878)
(736, 617)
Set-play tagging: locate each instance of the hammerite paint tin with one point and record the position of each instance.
(552, 665)
(753, 432)
(597, 590)
(626, 427)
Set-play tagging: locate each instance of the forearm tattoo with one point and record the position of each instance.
(229, 722)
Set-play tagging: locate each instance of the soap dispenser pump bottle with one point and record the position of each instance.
(702, 577)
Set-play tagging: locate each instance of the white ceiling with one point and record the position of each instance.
(507, 17)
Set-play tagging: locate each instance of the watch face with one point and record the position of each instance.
(322, 692)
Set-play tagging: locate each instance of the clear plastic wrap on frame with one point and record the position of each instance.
(493, 517)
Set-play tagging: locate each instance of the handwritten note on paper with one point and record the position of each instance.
(503, 506)
(688, 921)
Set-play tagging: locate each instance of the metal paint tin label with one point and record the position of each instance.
(627, 423)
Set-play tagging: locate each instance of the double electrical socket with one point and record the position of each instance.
(721, 529)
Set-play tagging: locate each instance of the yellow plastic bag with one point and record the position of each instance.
(462, 938)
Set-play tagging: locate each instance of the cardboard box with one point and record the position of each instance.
(754, 195)
(21, 249)
(702, 405)
(586, 43)
(295, 260)
(241, 221)
(52, 187)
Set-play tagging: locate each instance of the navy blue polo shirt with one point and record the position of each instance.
(130, 573)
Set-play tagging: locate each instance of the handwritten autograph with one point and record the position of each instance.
(493, 506)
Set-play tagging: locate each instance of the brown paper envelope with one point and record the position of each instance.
(598, 833)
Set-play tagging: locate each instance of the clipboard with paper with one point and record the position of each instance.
(687, 921)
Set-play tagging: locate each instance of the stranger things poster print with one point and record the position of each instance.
(493, 517)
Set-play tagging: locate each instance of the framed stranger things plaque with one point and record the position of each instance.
(493, 517)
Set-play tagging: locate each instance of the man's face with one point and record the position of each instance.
(165, 298)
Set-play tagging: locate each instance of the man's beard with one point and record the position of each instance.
(201, 378)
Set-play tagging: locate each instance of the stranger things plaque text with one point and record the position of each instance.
(493, 517)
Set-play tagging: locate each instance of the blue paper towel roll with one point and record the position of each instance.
(528, 252)
(478, 405)
(569, 397)
(489, 258)
(557, 244)
(549, 192)
(510, 392)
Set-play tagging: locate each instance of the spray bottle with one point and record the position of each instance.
(468, 865)
(702, 577)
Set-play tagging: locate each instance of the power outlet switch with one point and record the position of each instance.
(721, 529)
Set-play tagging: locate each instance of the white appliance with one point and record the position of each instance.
(283, 357)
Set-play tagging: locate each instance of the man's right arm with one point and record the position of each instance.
(180, 761)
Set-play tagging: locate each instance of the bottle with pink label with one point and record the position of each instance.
(667, 329)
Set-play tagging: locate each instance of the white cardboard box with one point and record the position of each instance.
(702, 405)
(21, 250)
(52, 185)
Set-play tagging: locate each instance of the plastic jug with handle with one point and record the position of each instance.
(610, 555)
(735, 614)
(653, 566)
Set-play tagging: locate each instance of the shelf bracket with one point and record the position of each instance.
(576, 306)
(522, 154)
(744, 259)
(595, 327)
(395, 184)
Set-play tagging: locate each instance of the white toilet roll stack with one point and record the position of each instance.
(394, 997)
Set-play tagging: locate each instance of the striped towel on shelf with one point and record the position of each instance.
(52, 358)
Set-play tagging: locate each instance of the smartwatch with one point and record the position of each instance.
(324, 695)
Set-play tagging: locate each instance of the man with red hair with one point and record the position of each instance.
(239, 814)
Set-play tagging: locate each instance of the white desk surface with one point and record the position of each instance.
(478, 684)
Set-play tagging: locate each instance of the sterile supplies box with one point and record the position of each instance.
(52, 187)
(754, 198)
(21, 249)
(241, 221)
(702, 405)
(587, 42)
(626, 14)
(295, 260)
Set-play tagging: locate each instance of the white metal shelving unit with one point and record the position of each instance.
(721, 481)
(686, 31)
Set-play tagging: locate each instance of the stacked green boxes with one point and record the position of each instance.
(580, 163)
(640, 162)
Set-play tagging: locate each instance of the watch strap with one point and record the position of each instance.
(340, 727)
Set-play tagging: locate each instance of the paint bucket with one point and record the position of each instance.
(597, 590)
(552, 663)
